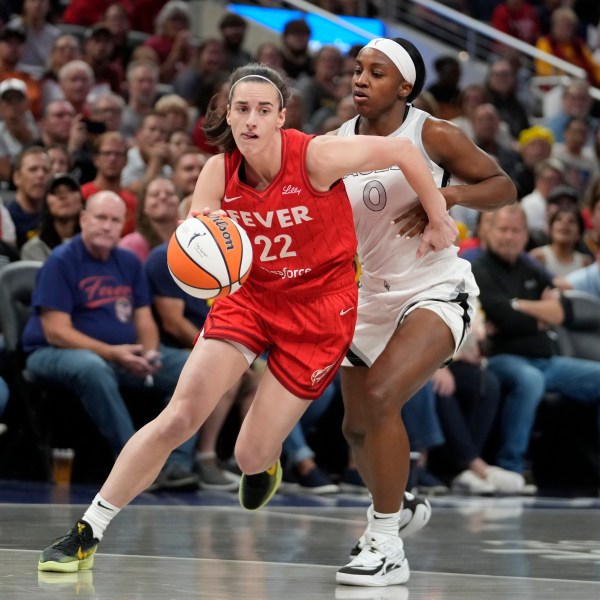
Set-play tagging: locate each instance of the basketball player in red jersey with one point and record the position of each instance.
(299, 302)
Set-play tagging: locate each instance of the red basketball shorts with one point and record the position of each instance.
(307, 336)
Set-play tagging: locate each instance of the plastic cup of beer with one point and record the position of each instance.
(62, 465)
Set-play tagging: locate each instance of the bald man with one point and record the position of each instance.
(92, 330)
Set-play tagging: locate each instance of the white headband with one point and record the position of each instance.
(257, 77)
(398, 55)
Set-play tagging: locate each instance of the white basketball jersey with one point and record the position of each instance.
(379, 197)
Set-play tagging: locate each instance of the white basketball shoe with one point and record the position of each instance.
(380, 563)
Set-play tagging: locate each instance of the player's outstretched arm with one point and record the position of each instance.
(210, 187)
(330, 158)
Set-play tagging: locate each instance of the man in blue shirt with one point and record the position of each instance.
(92, 330)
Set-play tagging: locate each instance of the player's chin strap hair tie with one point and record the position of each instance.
(257, 77)
(398, 55)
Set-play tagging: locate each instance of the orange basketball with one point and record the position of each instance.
(209, 256)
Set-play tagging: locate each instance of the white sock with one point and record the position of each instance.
(99, 514)
(385, 523)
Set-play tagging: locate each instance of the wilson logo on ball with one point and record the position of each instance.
(209, 256)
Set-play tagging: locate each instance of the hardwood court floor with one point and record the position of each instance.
(202, 545)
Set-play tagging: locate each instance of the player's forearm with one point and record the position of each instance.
(487, 195)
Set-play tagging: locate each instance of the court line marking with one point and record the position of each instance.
(312, 566)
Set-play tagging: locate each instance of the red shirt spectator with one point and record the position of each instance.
(517, 18)
(89, 12)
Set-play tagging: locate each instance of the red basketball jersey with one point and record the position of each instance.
(303, 240)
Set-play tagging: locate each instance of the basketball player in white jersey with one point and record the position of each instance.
(414, 311)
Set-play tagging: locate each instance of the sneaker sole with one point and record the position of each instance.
(67, 567)
(348, 592)
(395, 577)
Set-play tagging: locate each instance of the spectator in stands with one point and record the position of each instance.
(517, 18)
(175, 110)
(544, 9)
(561, 255)
(108, 109)
(179, 141)
(321, 90)
(60, 125)
(156, 219)
(580, 162)
(144, 13)
(549, 174)
(8, 236)
(149, 156)
(233, 33)
(521, 305)
(76, 81)
(205, 70)
(217, 95)
(270, 54)
(171, 41)
(486, 130)
(186, 168)
(425, 433)
(142, 84)
(468, 396)
(563, 42)
(65, 48)
(110, 157)
(297, 59)
(591, 237)
(446, 88)
(117, 20)
(294, 111)
(89, 12)
(12, 43)
(471, 97)
(535, 145)
(60, 159)
(575, 102)
(17, 126)
(61, 208)
(562, 196)
(92, 330)
(586, 279)
(30, 176)
(501, 85)
(98, 49)
(301, 468)
(40, 36)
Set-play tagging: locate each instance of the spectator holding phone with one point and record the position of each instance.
(92, 331)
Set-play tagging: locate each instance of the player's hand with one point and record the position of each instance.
(414, 221)
(438, 235)
(211, 211)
